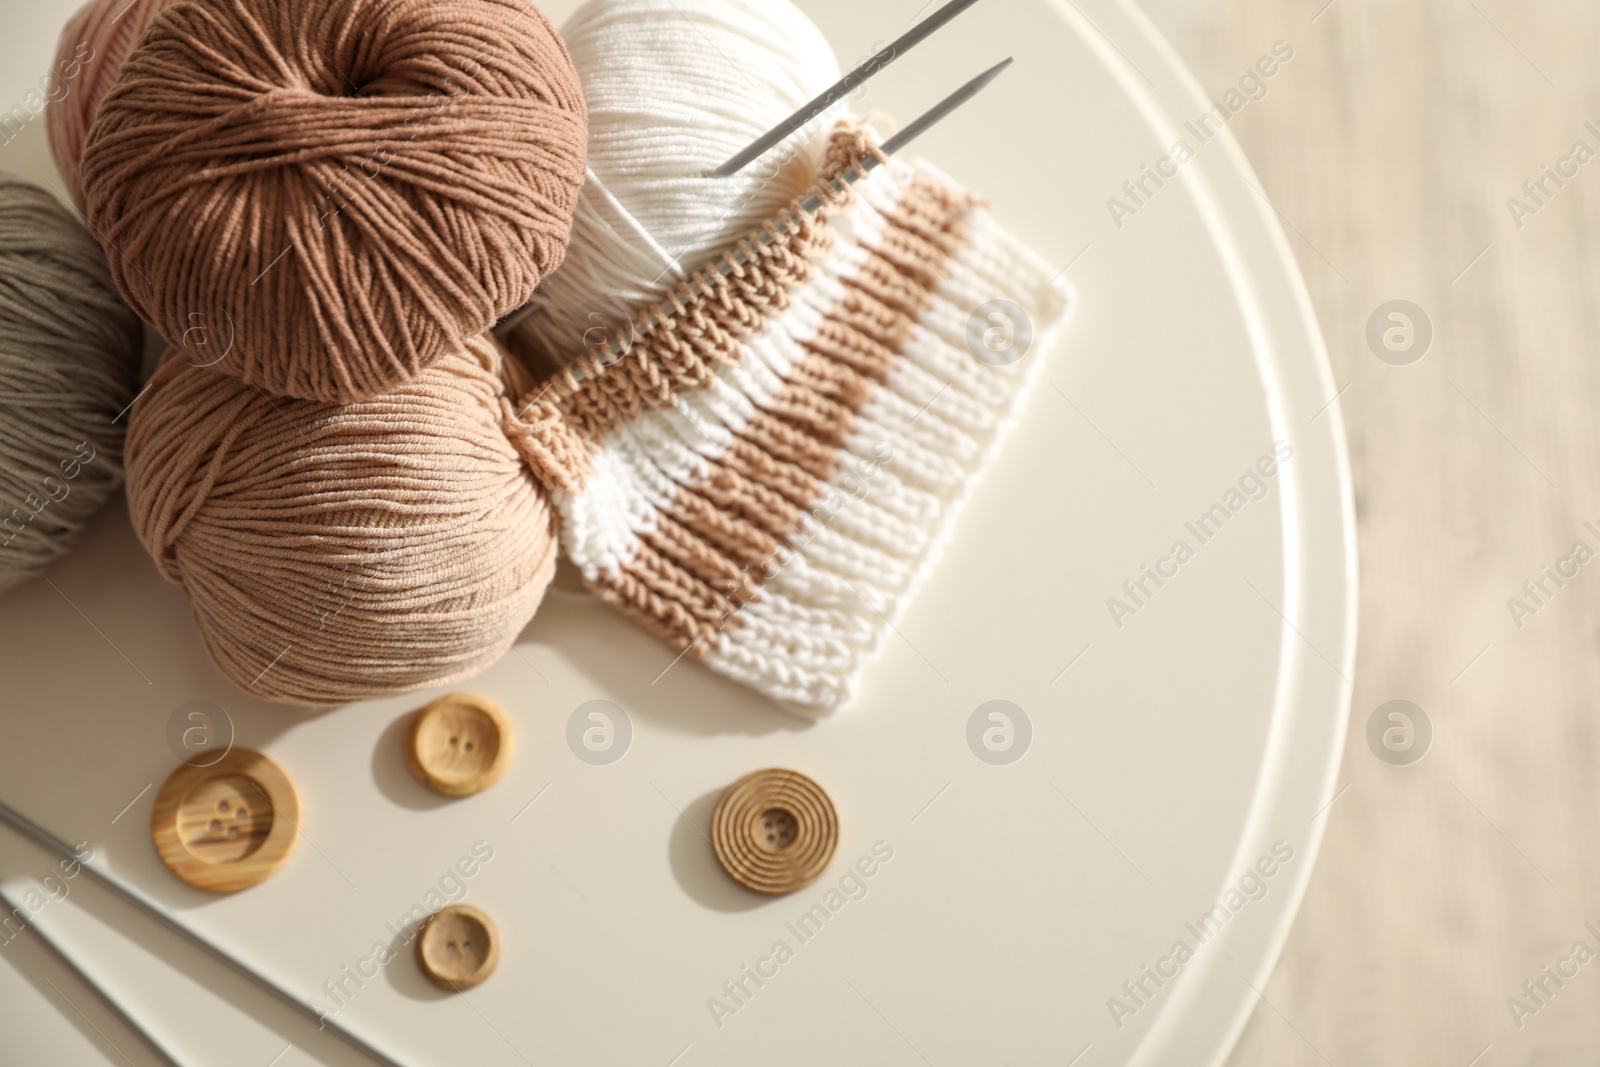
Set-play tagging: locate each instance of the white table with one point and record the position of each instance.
(1169, 754)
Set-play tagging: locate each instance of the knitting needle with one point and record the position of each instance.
(929, 118)
(116, 1006)
(50, 841)
(851, 175)
(844, 87)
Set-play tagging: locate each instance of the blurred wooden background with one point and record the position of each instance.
(1390, 147)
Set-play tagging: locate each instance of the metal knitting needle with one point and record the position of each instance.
(106, 998)
(50, 841)
(928, 119)
(916, 129)
(844, 87)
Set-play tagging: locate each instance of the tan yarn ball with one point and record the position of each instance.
(342, 190)
(93, 45)
(333, 553)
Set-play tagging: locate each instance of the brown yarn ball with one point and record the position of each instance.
(345, 189)
(333, 553)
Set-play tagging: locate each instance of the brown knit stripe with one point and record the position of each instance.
(740, 514)
(931, 210)
(659, 596)
(756, 496)
(689, 333)
(866, 332)
(702, 556)
(784, 441)
(717, 576)
(862, 335)
(794, 481)
(895, 298)
(807, 421)
(691, 573)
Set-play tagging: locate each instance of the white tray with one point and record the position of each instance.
(1171, 755)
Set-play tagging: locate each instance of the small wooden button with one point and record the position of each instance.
(226, 826)
(459, 947)
(460, 744)
(774, 831)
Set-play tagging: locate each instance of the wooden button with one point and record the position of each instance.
(459, 947)
(226, 826)
(460, 744)
(774, 831)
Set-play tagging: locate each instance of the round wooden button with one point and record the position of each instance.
(226, 826)
(774, 831)
(460, 744)
(459, 947)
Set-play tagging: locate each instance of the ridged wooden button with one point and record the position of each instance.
(774, 831)
(226, 826)
(459, 947)
(460, 744)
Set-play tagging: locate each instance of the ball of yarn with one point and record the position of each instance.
(94, 44)
(346, 188)
(674, 88)
(69, 354)
(340, 552)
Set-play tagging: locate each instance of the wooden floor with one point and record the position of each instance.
(1390, 147)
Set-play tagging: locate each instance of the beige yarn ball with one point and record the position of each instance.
(334, 553)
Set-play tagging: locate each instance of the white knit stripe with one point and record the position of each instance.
(945, 413)
(931, 410)
(832, 581)
(870, 520)
(941, 350)
(658, 460)
(832, 552)
(818, 577)
(627, 473)
(889, 493)
(981, 396)
(882, 193)
(603, 525)
(804, 586)
(805, 665)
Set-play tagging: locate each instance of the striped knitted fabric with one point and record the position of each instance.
(767, 476)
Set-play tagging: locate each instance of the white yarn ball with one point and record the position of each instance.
(674, 88)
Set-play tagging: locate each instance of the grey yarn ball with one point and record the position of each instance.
(69, 358)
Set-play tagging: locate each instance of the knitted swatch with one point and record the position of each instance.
(767, 476)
